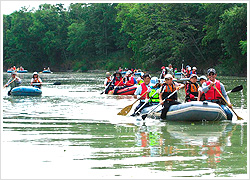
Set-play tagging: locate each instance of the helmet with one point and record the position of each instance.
(162, 67)
(168, 76)
(193, 75)
(211, 70)
(35, 73)
(153, 81)
(128, 72)
(194, 68)
(203, 77)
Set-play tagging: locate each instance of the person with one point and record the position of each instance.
(117, 82)
(170, 70)
(166, 89)
(211, 93)
(107, 79)
(154, 86)
(192, 89)
(193, 71)
(129, 79)
(163, 72)
(36, 79)
(201, 94)
(187, 71)
(143, 90)
(13, 82)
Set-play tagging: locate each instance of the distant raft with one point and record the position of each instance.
(26, 91)
(125, 91)
(47, 71)
(193, 111)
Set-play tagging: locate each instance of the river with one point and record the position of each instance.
(71, 131)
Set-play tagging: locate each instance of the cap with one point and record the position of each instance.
(162, 67)
(211, 70)
(146, 75)
(108, 74)
(193, 75)
(194, 68)
(168, 76)
(203, 77)
(35, 73)
(187, 66)
(153, 81)
(13, 72)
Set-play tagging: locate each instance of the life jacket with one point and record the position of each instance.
(191, 88)
(117, 81)
(36, 80)
(140, 82)
(144, 89)
(212, 93)
(155, 98)
(108, 81)
(168, 90)
(130, 81)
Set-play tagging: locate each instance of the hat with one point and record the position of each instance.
(168, 76)
(153, 81)
(211, 70)
(193, 75)
(146, 75)
(187, 66)
(35, 73)
(108, 74)
(194, 68)
(162, 67)
(128, 72)
(203, 77)
(13, 72)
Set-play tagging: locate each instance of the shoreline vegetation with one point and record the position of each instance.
(106, 36)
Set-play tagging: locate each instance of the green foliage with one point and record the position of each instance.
(141, 35)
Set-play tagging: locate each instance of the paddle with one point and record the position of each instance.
(126, 110)
(236, 89)
(107, 86)
(145, 115)
(238, 117)
(10, 83)
(55, 83)
(112, 91)
(145, 103)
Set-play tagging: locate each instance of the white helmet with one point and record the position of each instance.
(168, 76)
(35, 73)
(194, 68)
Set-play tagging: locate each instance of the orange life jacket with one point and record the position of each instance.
(168, 90)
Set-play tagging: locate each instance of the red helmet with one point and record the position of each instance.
(162, 67)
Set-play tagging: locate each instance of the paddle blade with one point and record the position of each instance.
(144, 116)
(239, 118)
(238, 88)
(125, 110)
(111, 92)
(57, 83)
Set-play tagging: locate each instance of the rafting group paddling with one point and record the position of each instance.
(152, 92)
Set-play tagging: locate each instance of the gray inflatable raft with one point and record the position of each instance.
(190, 111)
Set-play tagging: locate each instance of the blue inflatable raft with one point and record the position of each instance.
(46, 71)
(22, 71)
(26, 91)
(193, 111)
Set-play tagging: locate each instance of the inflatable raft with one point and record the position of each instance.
(125, 91)
(22, 71)
(26, 91)
(46, 71)
(193, 111)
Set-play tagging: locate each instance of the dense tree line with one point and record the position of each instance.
(143, 35)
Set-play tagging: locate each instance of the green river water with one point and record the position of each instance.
(71, 131)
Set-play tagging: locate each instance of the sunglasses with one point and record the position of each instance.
(211, 74)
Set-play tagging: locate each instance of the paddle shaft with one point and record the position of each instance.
(10, 82)
(159, 104)
(140, 97)
(145, 103)
(238, 117)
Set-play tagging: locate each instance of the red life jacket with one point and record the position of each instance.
(212, 93)
(117, 81)
(144, 89)
(130, 81)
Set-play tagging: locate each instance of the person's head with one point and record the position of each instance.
(187, 67)
(203, 79)
(108, 74)
(168, 79)
(128, 73)
(35, 74)
(170, 65)
(194, 69)
(154, 82)
(146, 78)
(163, 67)
(193, 78)
(117, 74)
(13, 74)
(211, 74)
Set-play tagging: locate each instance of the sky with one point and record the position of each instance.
(8, 7)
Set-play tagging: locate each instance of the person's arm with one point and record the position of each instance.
(137, 91)
(224, 93)
(205, 87)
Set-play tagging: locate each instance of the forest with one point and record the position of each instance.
(107, 36)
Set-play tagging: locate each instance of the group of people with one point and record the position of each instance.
(188, 71)
(167, 70)
(16, 69)
(127, 69)
(151, 91)
(15, 81)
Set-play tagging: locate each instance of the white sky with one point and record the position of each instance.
(8, 7)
